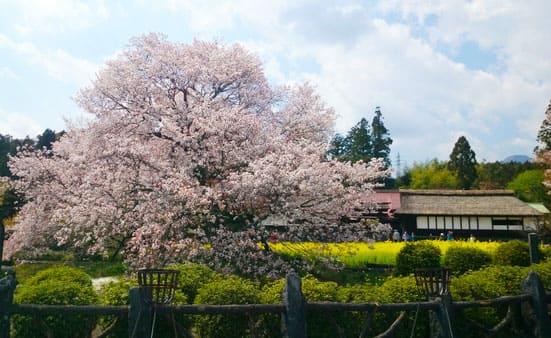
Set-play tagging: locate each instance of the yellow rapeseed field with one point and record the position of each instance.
(357, 254)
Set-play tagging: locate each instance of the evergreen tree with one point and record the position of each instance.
(463, 163)
(9, 146)
(380, 138)
(46, 139)
(363, 142)
(339, 146)
(359, 142)
(5, 147)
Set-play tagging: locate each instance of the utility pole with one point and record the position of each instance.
(398, 169)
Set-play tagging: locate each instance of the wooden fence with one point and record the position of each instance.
(527, 314)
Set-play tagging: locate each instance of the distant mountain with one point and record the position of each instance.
(517, 158)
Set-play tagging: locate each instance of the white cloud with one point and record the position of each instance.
(57, 63)
(425, 95)
(516, 31)
(388, 53)
(7, 73)
(54, 16)
(214, 17)
(18, 125)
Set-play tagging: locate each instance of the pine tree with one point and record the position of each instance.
(46, 139)
(339, 146)
(380, 138)
(363, 142)
(463, 163)
(359, 142)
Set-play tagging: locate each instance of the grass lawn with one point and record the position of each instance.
(95, 269)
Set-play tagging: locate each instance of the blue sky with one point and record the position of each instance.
(437, 69)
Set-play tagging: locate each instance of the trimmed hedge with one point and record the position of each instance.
(232, 290)
(320, 324)
(416, 255)
(192, 277)
(514, 252)
(487, 283)
(59, 285)
(463, 259)
(61, 273)
(116, 293)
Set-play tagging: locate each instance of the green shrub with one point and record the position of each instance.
(61, 273)
(490, 282)
(232, 290)
(320, 324)
(24, 271)
(271, 294)
(463, 259)
(352, 322)
(514, 252)
(416, 255)
(544, 272)
(545, 252)
(55, 286)
(116, 293)
(192, 276)
(487, 283)
(400, 290)
(359, 293)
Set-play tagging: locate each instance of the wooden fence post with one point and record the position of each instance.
(444, 316)
(7, 287)
(534, 243)
(294, 323)
(538, 317)
(140, 313)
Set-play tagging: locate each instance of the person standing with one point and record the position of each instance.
(396, 236)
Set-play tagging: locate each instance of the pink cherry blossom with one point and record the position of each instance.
(188, 151)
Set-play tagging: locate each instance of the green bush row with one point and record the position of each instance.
(459, 260)
(200, 285)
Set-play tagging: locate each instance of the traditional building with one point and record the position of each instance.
(482, 213)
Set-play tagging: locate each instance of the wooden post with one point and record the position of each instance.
(140, 313)
(537, 316)
(445, 317)
(294, 323)
(534, 243)
(7, 287)
(441, 321)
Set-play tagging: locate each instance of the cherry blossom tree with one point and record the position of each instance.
(188, 151)
(543, 151)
